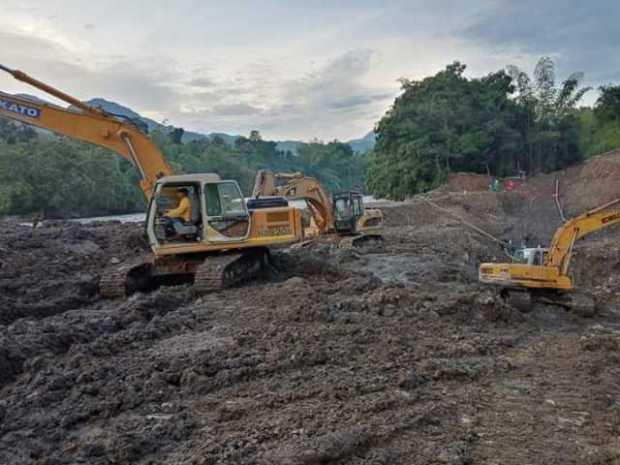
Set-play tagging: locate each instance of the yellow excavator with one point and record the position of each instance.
(223, 241)
(542, 274)
(342, 215)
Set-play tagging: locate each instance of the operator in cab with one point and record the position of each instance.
(182, 213)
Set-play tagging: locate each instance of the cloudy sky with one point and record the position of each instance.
(295, 69)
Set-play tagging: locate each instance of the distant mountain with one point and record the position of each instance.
(32, 98)
(362, 145)
(120, 110)
(229, 139)
(365, 144)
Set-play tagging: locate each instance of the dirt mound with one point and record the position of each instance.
(582, 187)
(56, 267)
(470, 182)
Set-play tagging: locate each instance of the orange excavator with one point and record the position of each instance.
(541, 274)
(342, 215)
(221, 242)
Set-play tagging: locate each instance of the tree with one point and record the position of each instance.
(548, 117)
(600, 128)
(499, 124)
(255, 136)
(440, 124)
(176, 135)
(12, 133)
(64, 178)
(607, 107)
(334, 164)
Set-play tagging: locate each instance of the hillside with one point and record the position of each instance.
(365, 144)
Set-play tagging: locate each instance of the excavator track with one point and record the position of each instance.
(351, 242)
(575, 302)
(124, 279)
(218, 272)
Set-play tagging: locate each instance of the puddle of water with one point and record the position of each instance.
(387, 267)
(130, 218)
(140, 217)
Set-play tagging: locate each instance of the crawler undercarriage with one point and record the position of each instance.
(207, 272)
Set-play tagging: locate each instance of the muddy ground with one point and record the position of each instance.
(384, 355)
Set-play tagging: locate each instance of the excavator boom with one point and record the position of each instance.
(296, 186)
(88, 124)
(560, 251)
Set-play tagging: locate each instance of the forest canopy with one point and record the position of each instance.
(54, 176)
(502, 124)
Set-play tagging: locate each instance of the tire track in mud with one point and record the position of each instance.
(567, 392)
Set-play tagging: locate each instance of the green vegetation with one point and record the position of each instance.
(59, 177)
(499, 124)
(600, 127)
(50, 175)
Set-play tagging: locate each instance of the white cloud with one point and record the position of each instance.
(290, 69)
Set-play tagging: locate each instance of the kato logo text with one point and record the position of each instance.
(31, 112)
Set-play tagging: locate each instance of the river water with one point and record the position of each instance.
(138, 217)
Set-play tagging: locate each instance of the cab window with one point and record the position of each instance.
(231, 199)
(357, 206)
(342, 208)
(224, 199)
(166, 197)
(214, 207)
(519, 257)
(228, 217)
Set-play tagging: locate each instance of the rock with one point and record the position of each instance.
(410, 379)
(485, 298)
(454, 454)
(83, 248)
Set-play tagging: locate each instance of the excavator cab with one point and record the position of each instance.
(348, 209)
(177, 230)
(533, 256)
(218, 211)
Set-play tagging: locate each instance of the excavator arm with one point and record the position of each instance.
(87, 124)
(297, 186)
(561, 248)
(553, 273)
